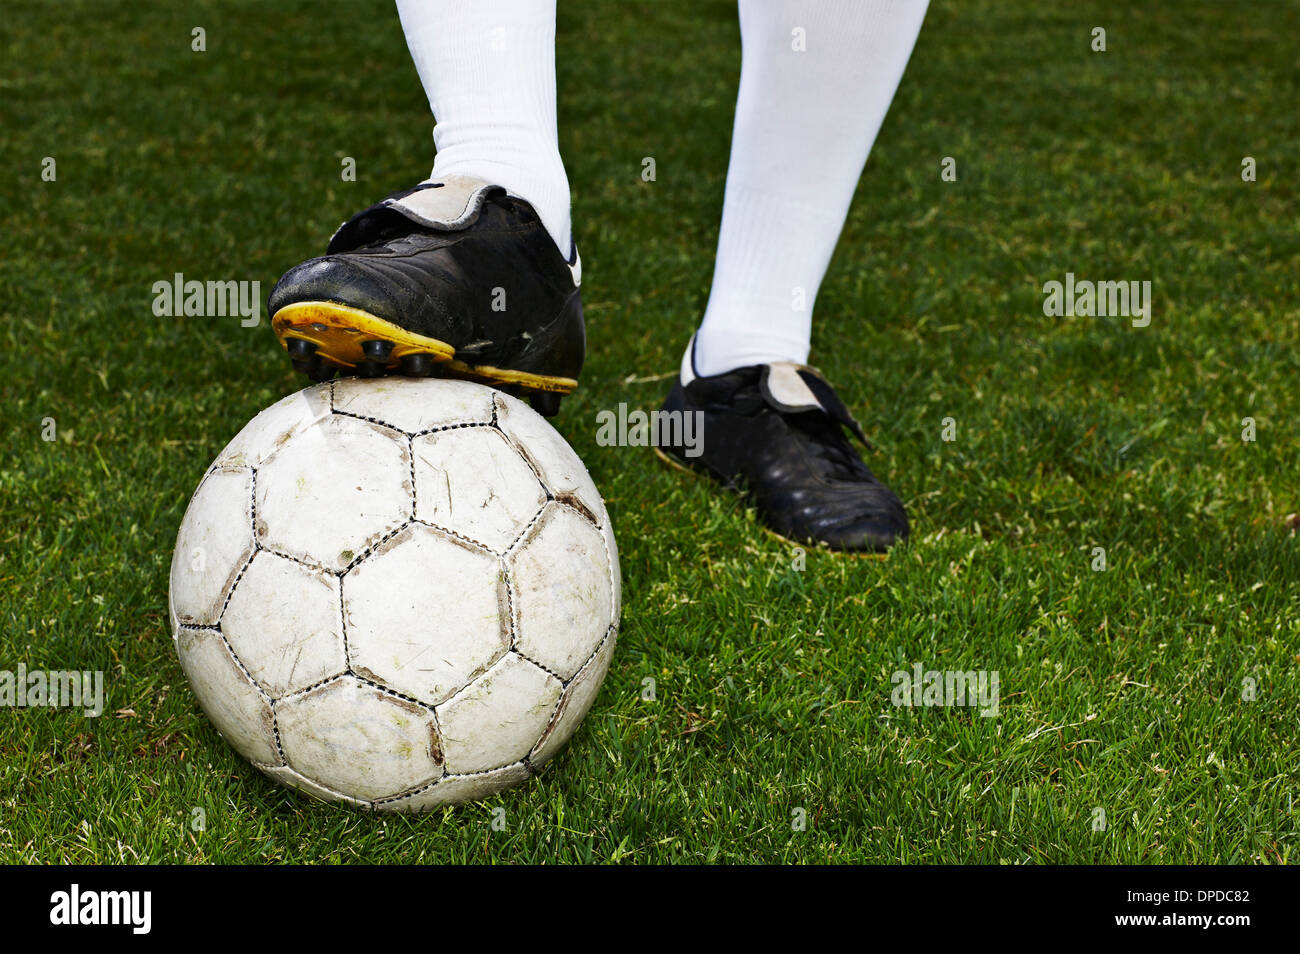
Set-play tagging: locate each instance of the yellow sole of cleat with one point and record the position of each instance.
(338, 332)
(856, 554)
(524, 379)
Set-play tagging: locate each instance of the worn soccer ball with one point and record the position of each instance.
(397, 593)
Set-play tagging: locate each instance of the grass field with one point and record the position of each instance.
(1121, 691)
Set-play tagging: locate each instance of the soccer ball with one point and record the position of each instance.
(397, 593)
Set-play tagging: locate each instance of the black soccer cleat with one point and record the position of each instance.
(776, 432)
(452, 278)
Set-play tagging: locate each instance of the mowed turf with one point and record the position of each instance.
(1161, 691)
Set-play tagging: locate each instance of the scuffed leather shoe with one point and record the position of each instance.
(452, 277)
(777, 432)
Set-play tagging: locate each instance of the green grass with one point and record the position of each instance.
(1120, 690)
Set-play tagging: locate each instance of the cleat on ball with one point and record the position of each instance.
(456, 271)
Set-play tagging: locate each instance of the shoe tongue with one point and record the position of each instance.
(785, 389)
(795, 388)
(445, 205)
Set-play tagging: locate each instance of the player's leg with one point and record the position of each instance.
(817, 77)
(472, 272)
(489, 72)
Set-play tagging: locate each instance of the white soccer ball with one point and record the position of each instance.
(399, 593)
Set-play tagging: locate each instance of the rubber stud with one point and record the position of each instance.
(545, 403)
(377, 350)
(417, 365)
(321, 370)
(371, 369)
(299, 348)
(302, 353)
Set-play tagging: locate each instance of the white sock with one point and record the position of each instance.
(489, 72)
(805, 122)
